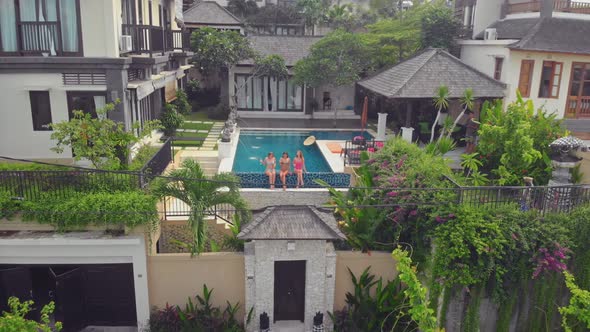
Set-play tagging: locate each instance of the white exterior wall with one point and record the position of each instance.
(486, 13)
(481, 55)
(17, 138)
(101, 27)
(553, 105)
(59, 249)
(342, 97)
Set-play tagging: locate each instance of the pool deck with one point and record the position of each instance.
(270, 124)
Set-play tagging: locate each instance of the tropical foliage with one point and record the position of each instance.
(214, 48)
(515, 143)
(171, 119)
(190, 185)
(102, 141)
(15, 320)
(578, 307)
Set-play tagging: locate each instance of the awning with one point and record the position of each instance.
(142, 88)
(164, 77)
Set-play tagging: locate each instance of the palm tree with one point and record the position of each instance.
(467, 102)
(190, 185)
(441, 102)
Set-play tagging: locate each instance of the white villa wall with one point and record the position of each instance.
(342, 97)
(101, 26)
(486, 13)
(553, 105)
(17, 138)
(61, 249)
(481, 55)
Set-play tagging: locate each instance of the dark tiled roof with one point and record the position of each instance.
(421, 75)
(292, 222)
(209, 12)
(291, 48)
(512, 28)
(562, 35)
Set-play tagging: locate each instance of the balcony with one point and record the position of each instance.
(565, 6)
(154, 39)
(39, 38)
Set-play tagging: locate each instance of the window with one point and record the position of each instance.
(526, 75)
(550, 79)
(36, 27)
(268, 94)
(87, 102)
(498, 68)
(40, 109)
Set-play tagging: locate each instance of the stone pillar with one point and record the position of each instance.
(116, 89)
(407, 133)
(381, 125)
(224, 149)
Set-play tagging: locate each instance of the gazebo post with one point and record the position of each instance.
(407, 131)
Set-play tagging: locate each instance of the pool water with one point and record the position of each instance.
(255, 145)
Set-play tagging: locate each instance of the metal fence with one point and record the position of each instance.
(32, 185)
(173, 208)
(157, 164)
(354, 148)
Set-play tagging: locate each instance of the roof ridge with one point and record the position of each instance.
(199, 2)
(532, 32)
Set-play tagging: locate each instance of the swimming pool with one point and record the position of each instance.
(255, 145)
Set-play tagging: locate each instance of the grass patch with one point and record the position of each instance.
(187, 143)
(197, 126)
(185, 134)
(198, 116)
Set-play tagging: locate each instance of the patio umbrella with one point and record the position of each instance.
(364, 114)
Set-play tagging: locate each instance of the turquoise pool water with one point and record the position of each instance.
(255, 145)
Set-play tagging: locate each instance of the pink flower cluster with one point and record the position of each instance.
(442, 220)
(551, 260)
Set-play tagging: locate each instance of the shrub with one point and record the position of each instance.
(181, 103)
(111, 209)
(220, 112)
(8, 166)
(15, 320)
(8, 205)
(171, 119)
(143, 155)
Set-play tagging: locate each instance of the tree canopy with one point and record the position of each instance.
(337, 59)
(216, 49)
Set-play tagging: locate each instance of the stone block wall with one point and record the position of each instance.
(262, 198)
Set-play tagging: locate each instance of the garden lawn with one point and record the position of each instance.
(197, 126)
(198, 116)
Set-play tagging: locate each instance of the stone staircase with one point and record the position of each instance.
(211, 140)
(208, 160)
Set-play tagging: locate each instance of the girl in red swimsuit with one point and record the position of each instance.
(299, 165)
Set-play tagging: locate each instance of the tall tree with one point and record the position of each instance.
(338, 59)
(313, 12)
(242, 8)
(215, 49)
(190, 185)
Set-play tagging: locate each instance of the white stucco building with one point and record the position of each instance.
(540, 48)
(57, 56)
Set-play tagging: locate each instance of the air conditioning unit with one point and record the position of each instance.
(125, 44)
(490, 34)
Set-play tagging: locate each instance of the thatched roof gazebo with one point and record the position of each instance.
(413, 83)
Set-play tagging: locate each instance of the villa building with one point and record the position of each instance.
(268, 97)
(57, 56)
(539, 48)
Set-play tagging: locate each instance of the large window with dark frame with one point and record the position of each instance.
(550, 79)
(40, 110)
(498, 64)
(87, 102)
(40, 27)
(268, 94)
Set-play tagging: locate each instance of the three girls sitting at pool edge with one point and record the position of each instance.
(285, 168)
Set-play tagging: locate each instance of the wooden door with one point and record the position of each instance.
(578, 102)
(289, 290)
(69, 297)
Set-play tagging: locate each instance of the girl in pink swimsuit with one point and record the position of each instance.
(299, 165)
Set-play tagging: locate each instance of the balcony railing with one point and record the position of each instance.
(567, 6)
(154, 39)
(577, 107)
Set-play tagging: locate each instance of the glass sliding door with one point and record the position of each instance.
(68, 13)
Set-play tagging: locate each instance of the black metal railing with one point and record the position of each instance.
(354, 148)
(157, 164)
(174, 208)
(154, 39)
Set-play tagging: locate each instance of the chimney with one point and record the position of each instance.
(547, 8)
